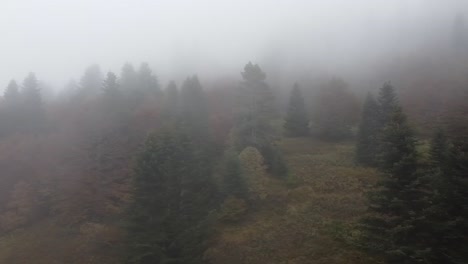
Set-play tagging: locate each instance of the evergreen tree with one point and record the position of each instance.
(90, 83)
(388, 102)
(174, 193)
(11, 94)
(171, 100)
(147, 82)
(128, 78)
(10, 116)
(368, 133)
(447, 216)
(194, 109)
(110, 86)
(32, 107)
(396, 227)
(253, 126)
(296, 121)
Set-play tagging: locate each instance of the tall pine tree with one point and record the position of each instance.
(395, 226)
(173, 195)
(296, 121)
(368, 133)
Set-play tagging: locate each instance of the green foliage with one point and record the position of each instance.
(367, 142)
(194, 109)
(296, 121)
(253, 126)
(447, 216)
(395, 226)
(174, 193)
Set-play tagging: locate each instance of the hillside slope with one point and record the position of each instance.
(307, 220)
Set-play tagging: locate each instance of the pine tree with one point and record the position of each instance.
(11, 94)
(128, 78)
(388, 103)
(194, 110)
(296, 121)
(253, 126)
(90, 83)
(171, 101)
(110, 86)
(33, 113)
(10, 117)
(173, 195)
(147, 82)
(447, 216)
(368, 133)
(395, 226)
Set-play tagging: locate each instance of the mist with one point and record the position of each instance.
(58, 39)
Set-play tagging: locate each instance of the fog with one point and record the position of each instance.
(57, 39)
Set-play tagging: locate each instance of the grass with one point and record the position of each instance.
(310, 218)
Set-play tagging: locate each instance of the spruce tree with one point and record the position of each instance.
(33, 113)
(110, 86)
(388, 102)
(90, 83)
(395, 226)
(368, 133)
(194, 110)
(173, 195)
(147, 82)
(171, 101)
(11, 94)
(296, 121)
(253, 126)
(447, 216)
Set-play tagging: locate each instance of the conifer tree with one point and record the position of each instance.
(368, 133)
(11, 94)
(447, 216)
(395, 227)
(253, 126)
(90, 83)
(110, 86)
(128, 78)
(174, 193)
(171, 101)
(147, 82)
(388, 103)
(194, 110)
(32, 107)
(296, 121)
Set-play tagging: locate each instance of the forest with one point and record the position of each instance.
(124, 167)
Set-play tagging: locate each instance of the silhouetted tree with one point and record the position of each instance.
(257, 110)
(90, 83)
(296, 121)
(396, 227)
(32, 107)
(368, 134)
(147, 82)
(171, 100)
(174, 194)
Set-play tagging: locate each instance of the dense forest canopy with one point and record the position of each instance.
(354, 150)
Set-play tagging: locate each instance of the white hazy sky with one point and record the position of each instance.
(57, 39)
